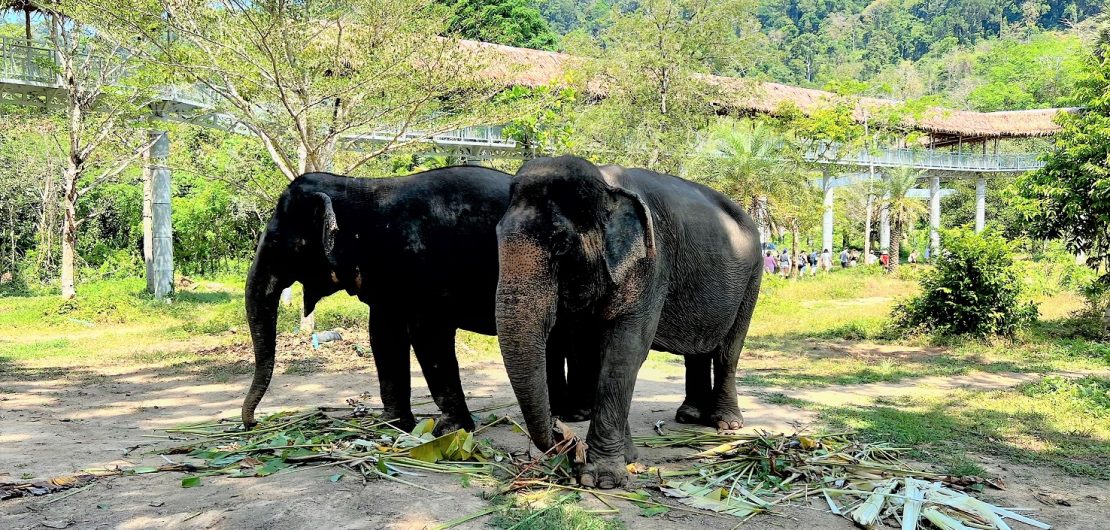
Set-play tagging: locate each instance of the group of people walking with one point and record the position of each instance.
(803, 262)
(785, 264)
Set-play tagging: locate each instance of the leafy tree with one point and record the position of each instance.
(509, 22)
(904, 210)
(652, 60)
(566, 16)
(974, 290)
(302, 76)
(103, 96)
(1021, 75)
(1069, 198)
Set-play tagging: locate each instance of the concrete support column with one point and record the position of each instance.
(161, 217)
(884, 223)
(827, 221)
(980, 203)
(761, 219)
(934, 215)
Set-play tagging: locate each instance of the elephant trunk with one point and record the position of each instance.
(263, 291)
(526, 302)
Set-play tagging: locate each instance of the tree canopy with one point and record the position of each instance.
(509, 22)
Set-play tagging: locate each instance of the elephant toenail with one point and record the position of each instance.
(586, 480)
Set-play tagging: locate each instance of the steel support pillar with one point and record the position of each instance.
(980, 203)
(827, 221)
(161, 216)
(934, 215)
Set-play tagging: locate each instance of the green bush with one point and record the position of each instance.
(1053, 269)
(973, 290)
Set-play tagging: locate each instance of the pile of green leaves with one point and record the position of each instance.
(974, 290)
(365, 445)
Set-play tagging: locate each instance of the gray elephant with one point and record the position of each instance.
(638, 260)
(421, 251)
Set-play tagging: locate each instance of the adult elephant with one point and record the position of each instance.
(643, 260)
(419, 250)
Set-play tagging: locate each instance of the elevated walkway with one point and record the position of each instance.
(27, 77)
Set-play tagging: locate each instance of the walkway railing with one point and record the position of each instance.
(490, 137)
(32, 62)
(930, 160)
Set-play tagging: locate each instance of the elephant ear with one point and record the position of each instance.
(629, 234)
(328, 227)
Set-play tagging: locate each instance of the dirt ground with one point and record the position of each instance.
(53, 425)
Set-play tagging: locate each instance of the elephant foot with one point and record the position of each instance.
(603, 474)
(446, 424)
(730, 420)
(403, 422)
(689, 415)
(576, 415)
(722, 419)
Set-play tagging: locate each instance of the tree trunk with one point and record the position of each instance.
(867, 226)
(1106, 321)
(69, 232)
(794, 250)
(27, 23)
(11, 227)
(895, 244)
(47, 225)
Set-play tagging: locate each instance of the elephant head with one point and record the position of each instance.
(569, 242)
(297, 246)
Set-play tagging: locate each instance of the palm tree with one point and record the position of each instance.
(26, 6)
(904, 210)
(754, 164)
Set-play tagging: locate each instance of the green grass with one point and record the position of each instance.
(1055, 421)
(116, 322)
(547, 511)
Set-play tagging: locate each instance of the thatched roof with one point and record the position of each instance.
(521, 66)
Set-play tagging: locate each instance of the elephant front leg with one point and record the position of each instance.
(390, 343)
(610, 443)
(434, 344)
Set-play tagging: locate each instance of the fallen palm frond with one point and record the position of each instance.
(743, 475)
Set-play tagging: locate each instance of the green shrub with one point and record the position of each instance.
(1053, 269)
(973, 290)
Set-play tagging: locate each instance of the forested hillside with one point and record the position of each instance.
(977, 54)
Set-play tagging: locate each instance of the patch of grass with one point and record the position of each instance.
(547, 513)
(475, 346)
(778, 398)
(1065, 423)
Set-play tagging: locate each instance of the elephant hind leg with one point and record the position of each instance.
(725, 413)
(699, 387)
(434, 344)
